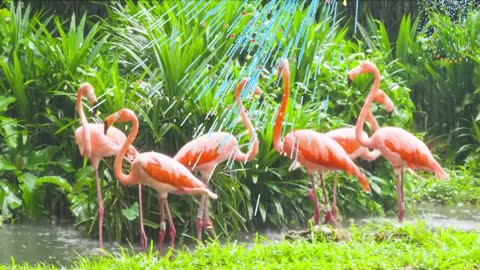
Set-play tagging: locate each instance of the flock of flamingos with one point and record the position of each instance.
(318, 152)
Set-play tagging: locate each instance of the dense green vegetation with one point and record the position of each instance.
(375, 246)
(43, 59)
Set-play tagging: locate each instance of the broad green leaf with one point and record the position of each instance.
(131, 213)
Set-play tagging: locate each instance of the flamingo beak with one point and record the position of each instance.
(108, 122)
(95, 107)
(105, 127)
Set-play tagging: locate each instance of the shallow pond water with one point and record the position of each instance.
(53, 243)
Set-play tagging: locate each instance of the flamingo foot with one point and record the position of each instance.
(208, 225)
(100, 227)
(199, 229)
(143, 239)
(330, 217)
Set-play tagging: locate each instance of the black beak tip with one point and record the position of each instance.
(94, 110)
(349, 81)
(105, 127)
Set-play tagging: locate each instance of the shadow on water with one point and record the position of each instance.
(34, 242)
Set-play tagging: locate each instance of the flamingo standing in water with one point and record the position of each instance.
(93, 144)
(400, 147)
(161, 172)
(204, 153)
(316, 151)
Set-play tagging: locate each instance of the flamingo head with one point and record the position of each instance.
(385, 100)
(284, 67)
(131, 153)
(87, 89)
(243, 83)
(123, 115)
(364, 67)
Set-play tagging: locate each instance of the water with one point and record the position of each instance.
(34, 242)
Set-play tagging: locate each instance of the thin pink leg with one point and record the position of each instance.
(313, 195)
(207, 222)
(334, 199)
(162, 232)
(403, 196)
(143, 235)
(200, 214)
(100, 207)
(401, 206)
(328, 215)
(173, 232)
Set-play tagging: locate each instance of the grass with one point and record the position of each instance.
(374, 246)
(463, 187)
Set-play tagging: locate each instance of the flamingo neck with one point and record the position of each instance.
(81, 113)
(126, 179)
(277, 132)
(373, 121)
(251, 130)
(365, 140)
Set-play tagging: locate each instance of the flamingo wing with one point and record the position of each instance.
(215, 147)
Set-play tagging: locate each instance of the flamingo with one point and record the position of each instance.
(316, 151)
(204, 153)
(160, 172)
(346, 138)
(93, 144)
(400, 147)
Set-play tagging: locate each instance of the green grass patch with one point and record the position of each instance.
(374, 246)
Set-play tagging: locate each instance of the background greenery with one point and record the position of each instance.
(45, 56)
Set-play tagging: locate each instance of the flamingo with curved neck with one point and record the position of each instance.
(157, 171)
(400, 147)
(94, 145)
(316, 151)
(204, 153)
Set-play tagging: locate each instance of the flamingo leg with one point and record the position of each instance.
(402, 181)
(203, 215)
(143, 235)
(173, 232)
(200, 215)
(100, 206)
(334, 199)
(328, 216)
(401, 205)
(162, 232)
(313, 195)
(207, 223)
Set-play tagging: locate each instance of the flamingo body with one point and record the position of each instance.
(319, 152)
(403, 149)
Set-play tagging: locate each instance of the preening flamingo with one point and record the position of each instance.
(204, 153)
(316, 151)
(400, 147)
(93, 144)
(160, 172)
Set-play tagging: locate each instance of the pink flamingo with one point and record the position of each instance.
(347, 139)
(156, 170)
(204, 153)
(93, 144)
(316, 151)
(401, 148)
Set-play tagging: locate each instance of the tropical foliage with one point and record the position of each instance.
(147, 57)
